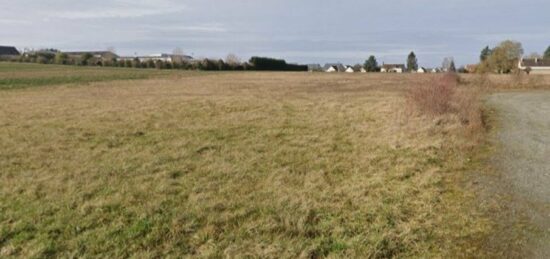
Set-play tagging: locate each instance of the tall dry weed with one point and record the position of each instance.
(434, 98)
(444, 96)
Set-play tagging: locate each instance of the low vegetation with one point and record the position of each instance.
(16, 75)
(236, 165)
(444, 96)
(503, 59)
(232, 62)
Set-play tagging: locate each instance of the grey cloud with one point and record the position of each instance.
(300, 31)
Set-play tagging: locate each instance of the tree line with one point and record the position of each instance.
(448, 65)
(504, 58)
(501, 59)
(231, 63)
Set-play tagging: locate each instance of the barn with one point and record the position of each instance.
(8, 51)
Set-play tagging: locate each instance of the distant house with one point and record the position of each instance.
(8, 51)
(355, 69)
(472, 68)
(422, 70)
(314, 68)
(435, 70)
(535, 65)
(392, 68)
(359, 69)
(331, 68)
(100, 55)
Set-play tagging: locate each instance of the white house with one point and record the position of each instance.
(331, 68)
(422, 70)
(392, 68)
(535, 65)
(359, 69)
(350, 69)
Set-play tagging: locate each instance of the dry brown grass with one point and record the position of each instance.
(445, 96)
(233, 165)
(436, 97)
(494, 82)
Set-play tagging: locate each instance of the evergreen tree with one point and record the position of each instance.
(448, 64)
(412, 62)
(371, 65)
(485, 53)
(452, 66)
(547, 53)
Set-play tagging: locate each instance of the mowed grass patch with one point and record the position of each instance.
(231, 165)
(21, 75)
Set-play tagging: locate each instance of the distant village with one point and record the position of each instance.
(496, 60)
(384, 68)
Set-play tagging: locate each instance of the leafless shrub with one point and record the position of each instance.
(434, 98)
(444, 97)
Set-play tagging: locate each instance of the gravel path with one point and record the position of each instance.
(524, 159)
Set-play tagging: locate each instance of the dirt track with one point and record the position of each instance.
(524, 160)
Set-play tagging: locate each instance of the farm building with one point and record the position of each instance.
(165, 57)
(393, 68)
(535, 65)
(105, 55)
(159, 57)
(8, 51)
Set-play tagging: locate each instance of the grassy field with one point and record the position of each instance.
(229, 165)
(18, 75)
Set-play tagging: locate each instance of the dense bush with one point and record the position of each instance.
(61, 58)
(85, 59)
(271, 64)
(434, 98)
(233, 64)
(444, 96)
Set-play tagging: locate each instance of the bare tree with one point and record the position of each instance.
(232, 60)
(534, 55)
(447, 64)
(177, 56)
(177, 51)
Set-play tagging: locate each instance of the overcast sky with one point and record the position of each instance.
(306, 31)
